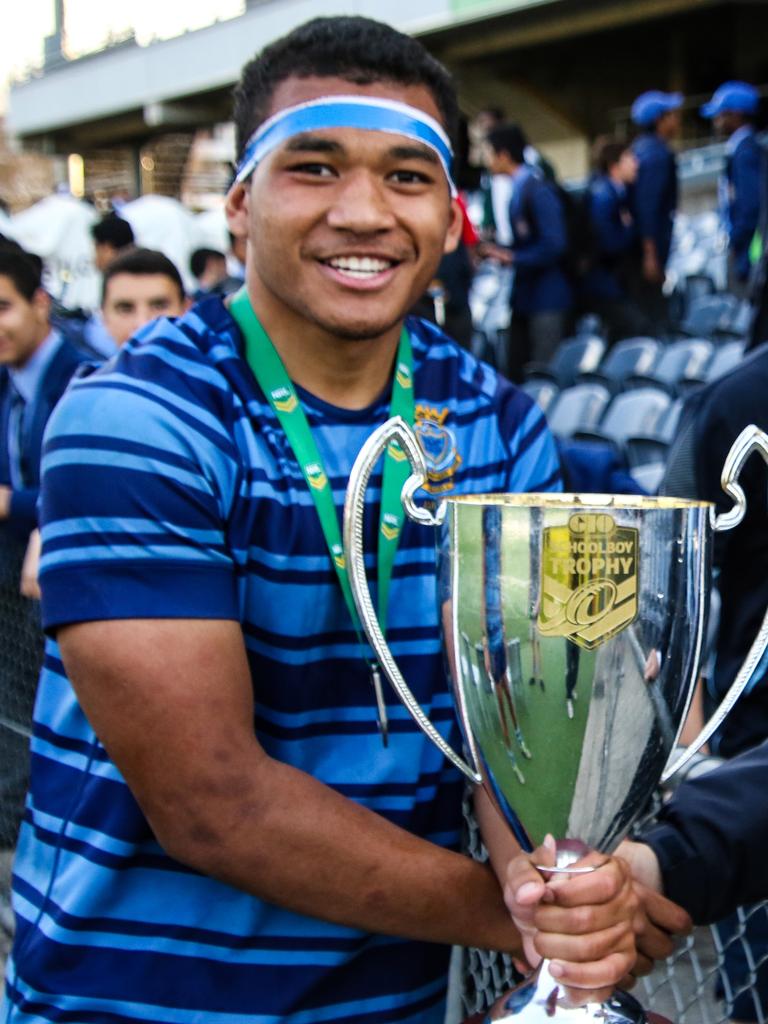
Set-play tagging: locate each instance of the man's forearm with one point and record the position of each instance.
(172, 702)
(339, 861)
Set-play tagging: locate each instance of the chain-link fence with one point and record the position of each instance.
(21, 649)
(717, 975)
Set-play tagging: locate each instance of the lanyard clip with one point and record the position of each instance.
(381, 707)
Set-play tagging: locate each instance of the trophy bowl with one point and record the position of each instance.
(573, 629)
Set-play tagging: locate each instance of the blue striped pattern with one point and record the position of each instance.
(169, 490)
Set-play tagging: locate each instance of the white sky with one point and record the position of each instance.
(88, 24)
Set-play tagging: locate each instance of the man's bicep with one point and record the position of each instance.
(172, 703)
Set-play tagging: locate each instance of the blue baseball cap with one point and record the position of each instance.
(735, 97)
(650, 106)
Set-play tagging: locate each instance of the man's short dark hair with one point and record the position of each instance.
(360, 50)
(24, 269)
(113, 230)
(510, 139)
(140, 262)
(198, 261)
(607, 154)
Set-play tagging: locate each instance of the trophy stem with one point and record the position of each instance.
(567, 853)
(538, 1000)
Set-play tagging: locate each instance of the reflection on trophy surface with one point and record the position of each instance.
(595, 723)
(600, 603)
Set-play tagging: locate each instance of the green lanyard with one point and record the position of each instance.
(268, 369)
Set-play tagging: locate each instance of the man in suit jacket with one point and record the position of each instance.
(542, 295)
(36, 363)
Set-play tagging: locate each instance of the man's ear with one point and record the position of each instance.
(41, 303)
(236, 209)
(453, 235)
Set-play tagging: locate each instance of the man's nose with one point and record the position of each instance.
(143, 315)
(361, 204)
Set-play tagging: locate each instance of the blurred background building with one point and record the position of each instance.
(119, 112)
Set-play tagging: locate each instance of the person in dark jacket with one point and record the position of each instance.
(707, 852)
(712, 419)
(614, 240)
(657, 114)
(732, 110)
(36, 364)
(542, 296)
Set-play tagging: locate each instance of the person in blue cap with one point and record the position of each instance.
(732, 110)
(657, 114)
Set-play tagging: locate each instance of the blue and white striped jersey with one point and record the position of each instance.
(171, 491)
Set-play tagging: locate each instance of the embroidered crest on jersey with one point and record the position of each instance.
(439, 446)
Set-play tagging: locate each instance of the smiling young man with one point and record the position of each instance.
(36, 363)
(215, 830)
(138, 287)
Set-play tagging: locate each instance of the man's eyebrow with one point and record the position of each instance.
(415, 152)
(313, 144)
(308, 143)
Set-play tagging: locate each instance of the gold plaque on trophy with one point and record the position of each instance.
(589, 571)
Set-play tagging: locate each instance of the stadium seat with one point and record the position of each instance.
(590, 324)
(542, 391)
(741, 320)
(695, 286)
(579, 408)
(647, 456)
(635, 413)
(574, 356)
(726, 357)
(710, 316)
(650, 447)
(631, 357)
(681, 362)
(648, 476)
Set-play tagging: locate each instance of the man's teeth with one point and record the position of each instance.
(360, 266)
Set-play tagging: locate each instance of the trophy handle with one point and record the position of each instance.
(749, 441)
(395, 431)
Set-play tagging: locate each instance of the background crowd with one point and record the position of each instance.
(647, 374)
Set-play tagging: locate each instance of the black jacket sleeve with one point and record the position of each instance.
(712, 838)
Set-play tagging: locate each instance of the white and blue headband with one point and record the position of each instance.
(365, 112)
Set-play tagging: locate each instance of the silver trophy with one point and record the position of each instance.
(573, 627)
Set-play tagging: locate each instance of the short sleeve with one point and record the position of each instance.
(535, 465)
(137, 485)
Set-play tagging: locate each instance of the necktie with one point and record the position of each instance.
(15, 438)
